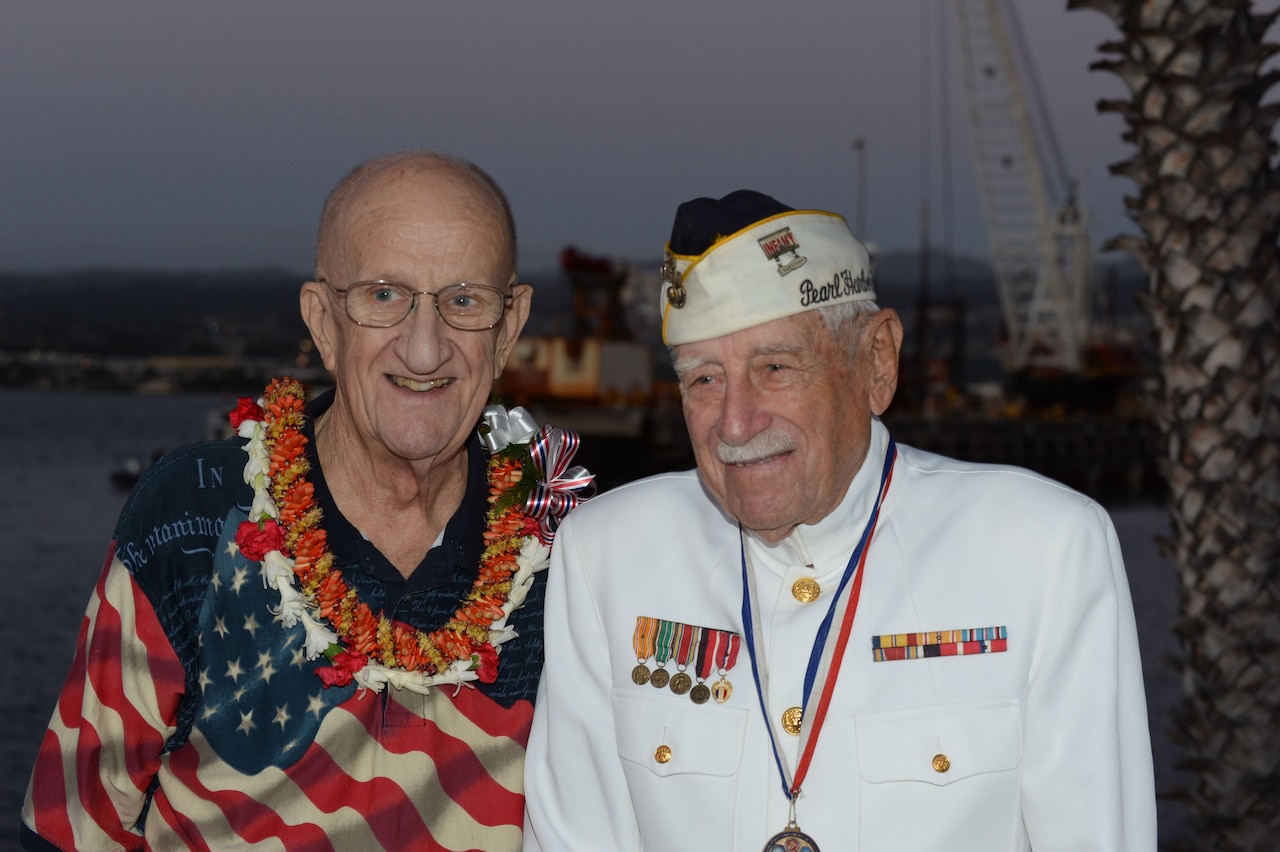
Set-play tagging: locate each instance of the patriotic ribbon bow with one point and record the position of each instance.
(559, 489)
(516, 426)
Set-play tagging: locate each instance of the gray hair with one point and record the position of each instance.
(336, 203)
(845, 322)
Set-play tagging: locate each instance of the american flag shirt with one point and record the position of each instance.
(191, 719)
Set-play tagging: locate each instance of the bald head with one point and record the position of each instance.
(372, 174)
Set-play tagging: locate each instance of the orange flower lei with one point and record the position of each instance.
(284, 533)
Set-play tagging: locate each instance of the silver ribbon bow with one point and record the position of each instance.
(516, 426)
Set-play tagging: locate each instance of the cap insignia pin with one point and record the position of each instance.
(778, 243)
(675, 286)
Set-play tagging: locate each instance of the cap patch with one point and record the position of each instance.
(781, 242)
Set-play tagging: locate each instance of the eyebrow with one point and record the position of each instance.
(685, 365)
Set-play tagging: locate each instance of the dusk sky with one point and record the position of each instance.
(178, 135)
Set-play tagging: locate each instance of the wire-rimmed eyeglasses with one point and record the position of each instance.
(382, 304)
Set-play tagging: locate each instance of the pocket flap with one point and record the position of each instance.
(705, 739)
(939, 745)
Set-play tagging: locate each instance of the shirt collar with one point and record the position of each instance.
(459, 548)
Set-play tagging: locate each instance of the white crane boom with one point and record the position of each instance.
(1041, 256)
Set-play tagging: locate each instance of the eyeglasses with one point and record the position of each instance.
(382, 304)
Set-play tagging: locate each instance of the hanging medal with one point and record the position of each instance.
(686, 646)
(725, 661)
(791, 838)
(642, 641)
(662, 653)
(701, 693)
(823, 669)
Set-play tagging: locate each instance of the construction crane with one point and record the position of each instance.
(1040, 251)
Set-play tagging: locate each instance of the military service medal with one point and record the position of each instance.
(703, 648)
(687, 639)
(642, 642)
(726, 657)
(662, 653)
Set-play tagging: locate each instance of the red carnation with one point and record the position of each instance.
(349, 661)
(334, 676)
(246, 409)
(487, 664)
(257, 540)
(345, 665)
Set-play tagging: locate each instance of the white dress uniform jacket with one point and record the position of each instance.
(1044, 745)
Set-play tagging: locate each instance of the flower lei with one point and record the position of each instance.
(531, 487)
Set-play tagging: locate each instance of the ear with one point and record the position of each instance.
(317, 313)
(512, 324)
(884, 340)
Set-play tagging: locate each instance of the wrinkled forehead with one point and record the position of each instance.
(798, 334)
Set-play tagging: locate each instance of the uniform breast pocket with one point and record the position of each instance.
(681, 761)
(940, 777)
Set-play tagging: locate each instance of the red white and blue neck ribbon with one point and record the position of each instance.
(824, 662)
(561, 487)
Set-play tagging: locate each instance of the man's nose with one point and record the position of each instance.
(427, 343)
(742, 414)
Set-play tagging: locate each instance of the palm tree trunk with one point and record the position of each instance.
(1208, 208)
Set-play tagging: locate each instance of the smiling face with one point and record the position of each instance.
(780, 415)
(414, 391)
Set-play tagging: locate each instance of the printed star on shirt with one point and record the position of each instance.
(232, 548)
(234, 671)
(246, 722)
(316, 704)
(264, 663)
(209, 711)
(299, 657)
(241, 577)
(251, 624)
(282, 716)
(216, 582)
(205, 680)
(220, 626)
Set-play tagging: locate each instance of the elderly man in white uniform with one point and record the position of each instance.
(820, 638)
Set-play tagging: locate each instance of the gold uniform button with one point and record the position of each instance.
(806, 590)
(791, 720)
(941, 763)
(663, 754)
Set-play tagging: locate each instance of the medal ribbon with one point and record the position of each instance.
(754, 637)
(703, 653)
(730, 658)
(666, 633)
(687, 643)
(642, 639)
(716, 643)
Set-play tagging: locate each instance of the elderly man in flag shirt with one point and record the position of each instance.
(821, 638)
(382, 697)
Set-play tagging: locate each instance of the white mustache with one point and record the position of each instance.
(762, 445)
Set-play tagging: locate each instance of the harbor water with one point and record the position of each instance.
(58, 506)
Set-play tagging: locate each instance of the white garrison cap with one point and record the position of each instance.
(774, 262)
